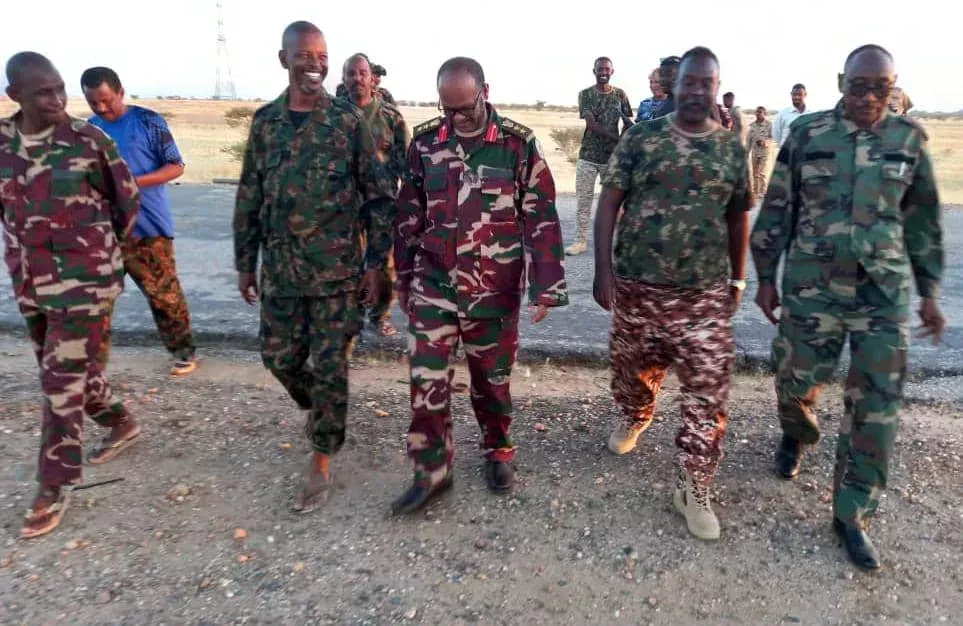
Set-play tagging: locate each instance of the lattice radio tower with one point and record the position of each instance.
(224, 84)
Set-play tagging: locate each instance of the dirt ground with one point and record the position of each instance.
(199, 531)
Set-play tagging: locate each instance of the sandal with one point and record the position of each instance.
(106, 449)
(48, 518)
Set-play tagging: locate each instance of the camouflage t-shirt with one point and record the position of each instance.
(607, 109)
(678, 188)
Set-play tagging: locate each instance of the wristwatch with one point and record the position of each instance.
(739, 283)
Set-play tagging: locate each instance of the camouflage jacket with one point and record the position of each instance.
(678, 188)
(759, 132)
(390, 134)
(842, 195)
(470, 225)
(301, 197)
(67, 203)
(385, 95)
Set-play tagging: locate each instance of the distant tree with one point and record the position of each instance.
(569, 141)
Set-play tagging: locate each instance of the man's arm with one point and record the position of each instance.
(777, 129)
(542, 233)
(247, 208)
(590, 121)
(615, 184)
(379, 189)
(922, 228)
(737, 222)
(165, 151)
(122, 190)
(409, 225)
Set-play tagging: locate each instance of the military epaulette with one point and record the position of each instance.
(519, 130)
(427, 127)
(82, 127)
(914, 124)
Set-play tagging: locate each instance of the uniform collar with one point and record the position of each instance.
(63, 133)
(492, 134)
(850, 128)
(283, 101)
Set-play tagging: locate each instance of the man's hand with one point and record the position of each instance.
(603, 288)
(934, 324)
(539, 313)
(735, 300)
(370, 288)
(247, 285)
(768, 300)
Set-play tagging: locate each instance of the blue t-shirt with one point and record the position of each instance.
(146, 144)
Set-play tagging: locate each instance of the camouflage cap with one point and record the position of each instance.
(378, 70)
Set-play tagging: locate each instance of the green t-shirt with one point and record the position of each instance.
(608, 109)
(679, 187)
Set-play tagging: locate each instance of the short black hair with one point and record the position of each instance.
(20, 64)
(600, 60)
(798, 86)
(297, 29)
(463, 64)
(866, 48)
(699, 52)
(728, 94)
(669, 61)
(96, 76)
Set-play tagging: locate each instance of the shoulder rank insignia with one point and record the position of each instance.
(519, 130)
(427, 127)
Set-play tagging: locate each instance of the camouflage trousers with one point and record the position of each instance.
(306, 343)
(72, 348)
(813, 331)
(586, 175)
(759, 164)
(658, 326)
(150, 263)
(490, 348)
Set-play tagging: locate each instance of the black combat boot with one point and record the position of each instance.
(418, 495)
(858, 545)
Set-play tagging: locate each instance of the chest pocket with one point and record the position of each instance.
(896, 176)
(497, 186)
(436, 178)
(66, 184)
(816, 173)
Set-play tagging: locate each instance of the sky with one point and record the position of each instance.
(530, 49)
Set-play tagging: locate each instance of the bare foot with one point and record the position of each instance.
(47, 511)
(316, 483)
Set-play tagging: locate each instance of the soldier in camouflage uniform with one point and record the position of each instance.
(378, 72)
(680, 182)
(853, 202)
(476, 213)
(309, 165)
(390, 134)
(68, 200)
(899, 101)
(759, 140)
(602, 106)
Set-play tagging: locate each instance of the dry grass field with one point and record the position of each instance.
(201, 132)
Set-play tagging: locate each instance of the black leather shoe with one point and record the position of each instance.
(858, 545)
(418, 495)
(789, 457)
(499, 476)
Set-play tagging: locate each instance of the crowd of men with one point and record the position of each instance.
(334, 190)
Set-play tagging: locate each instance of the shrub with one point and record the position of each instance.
(235, 151)
(237, 116)
(569, 141)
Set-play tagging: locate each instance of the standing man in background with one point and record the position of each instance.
(759, 141)
(729, 102)
(390, 134)
(147, 145)
(602, 106)
(378, 72)
(787, 116)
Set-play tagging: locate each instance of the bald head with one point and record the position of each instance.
(23, 64)
(295, 31)
(869, 60)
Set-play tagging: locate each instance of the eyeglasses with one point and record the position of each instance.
(860, 89)
(468, 111)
